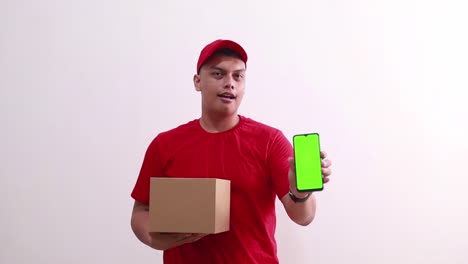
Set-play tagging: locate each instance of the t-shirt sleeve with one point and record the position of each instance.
(280, 150)
(151, 167)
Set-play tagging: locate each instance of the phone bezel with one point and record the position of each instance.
(294, 149)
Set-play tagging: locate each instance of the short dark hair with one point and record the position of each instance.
(226, 52)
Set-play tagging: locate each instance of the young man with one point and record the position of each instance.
(256, 158)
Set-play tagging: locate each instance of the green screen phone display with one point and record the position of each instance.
(308, 162)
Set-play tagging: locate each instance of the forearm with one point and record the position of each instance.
(302, 213)
(140, 226)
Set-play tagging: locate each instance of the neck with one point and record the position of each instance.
(218, 124)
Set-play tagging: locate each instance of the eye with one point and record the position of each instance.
(217, 74)
(238, 76)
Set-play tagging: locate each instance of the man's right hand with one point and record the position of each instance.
(169, 240)
(160, 241)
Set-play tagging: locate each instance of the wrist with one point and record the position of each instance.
(297, 193)
(299, 197)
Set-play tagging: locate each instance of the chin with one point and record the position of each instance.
(229, 112)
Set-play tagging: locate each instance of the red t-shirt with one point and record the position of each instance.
(253, 156)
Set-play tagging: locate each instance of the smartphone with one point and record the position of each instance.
(308, 162)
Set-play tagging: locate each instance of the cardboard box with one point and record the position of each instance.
(189, 205)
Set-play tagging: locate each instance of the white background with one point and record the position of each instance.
(86, 85)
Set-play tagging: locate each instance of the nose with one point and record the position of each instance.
(229, 84)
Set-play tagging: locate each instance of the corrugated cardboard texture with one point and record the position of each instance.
(189, 205)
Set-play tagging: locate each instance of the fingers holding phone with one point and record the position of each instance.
(326, 170)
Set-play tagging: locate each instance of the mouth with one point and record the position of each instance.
(229, 96)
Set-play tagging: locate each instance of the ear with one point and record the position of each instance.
(196, 82)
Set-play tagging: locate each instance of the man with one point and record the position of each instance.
(256, 158)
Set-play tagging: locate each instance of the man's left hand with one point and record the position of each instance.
(326, 172)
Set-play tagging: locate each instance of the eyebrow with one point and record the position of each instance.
(223, 70)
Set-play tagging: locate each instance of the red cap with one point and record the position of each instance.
(216, 45)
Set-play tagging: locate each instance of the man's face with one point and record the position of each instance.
(221, 82)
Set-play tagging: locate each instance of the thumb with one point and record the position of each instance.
(291, 163)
